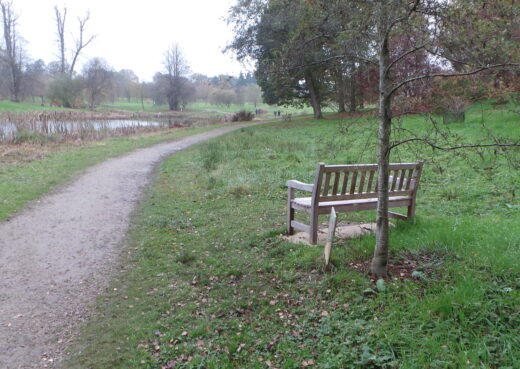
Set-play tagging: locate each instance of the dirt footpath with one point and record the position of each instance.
(58, 254)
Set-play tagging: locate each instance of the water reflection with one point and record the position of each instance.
(9, 130)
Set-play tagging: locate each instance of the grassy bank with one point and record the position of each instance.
(29, 171)
(22, 107)
(201, 107)
(208, 284)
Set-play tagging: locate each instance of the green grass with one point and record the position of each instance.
(25, 182)
(249, 107)
(206, 107)
(207, 284)
(133, 106)
(23, 107)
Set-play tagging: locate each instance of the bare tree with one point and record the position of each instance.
(81, 41)
(176, 70)
(61, 16)
(98, 78)
(13, 54)
(423, 18)
(35, 80)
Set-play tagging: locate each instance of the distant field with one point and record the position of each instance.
(132, 106)
(148, 106)
(21, 107)
(205, 107)
(208, 284)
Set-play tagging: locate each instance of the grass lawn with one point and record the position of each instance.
(133, 106)
(205, 107)
(47, 167)
(208, 284)
(23, 107)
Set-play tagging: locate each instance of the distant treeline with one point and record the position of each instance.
(58, 83)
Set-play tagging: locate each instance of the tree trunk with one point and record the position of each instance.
(352, 88)
(380, 259)
(315, 97)
(60, 24)
(12, 50)
(340, 87)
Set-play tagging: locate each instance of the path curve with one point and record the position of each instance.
(56, 256)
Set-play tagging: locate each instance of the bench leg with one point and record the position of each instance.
(313, 236)
(411, 211)
(290, 218)
(290, 211)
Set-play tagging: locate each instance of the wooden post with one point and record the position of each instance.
(330, 236)
(313, 236)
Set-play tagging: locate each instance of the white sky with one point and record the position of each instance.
(133, 34)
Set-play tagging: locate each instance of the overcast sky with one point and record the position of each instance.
(133, 34)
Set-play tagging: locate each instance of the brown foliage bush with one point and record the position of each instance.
(242, 116)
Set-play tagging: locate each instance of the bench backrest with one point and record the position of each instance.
(350, 182)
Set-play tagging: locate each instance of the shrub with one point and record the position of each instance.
(242, 116)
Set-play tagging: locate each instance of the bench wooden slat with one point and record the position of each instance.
(336, 183)
(371, 205)
(364, 195)
(345, 183)
(395, 215)
(353, 183)
(409, 179)
(401, 180)
(370, 179)
(394, 180)
(327, 184)
(362, 182)
(300, 226)
(366, 167)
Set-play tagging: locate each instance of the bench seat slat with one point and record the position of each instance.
(365, 195)
(304, 203)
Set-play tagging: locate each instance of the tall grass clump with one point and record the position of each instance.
(211, 155)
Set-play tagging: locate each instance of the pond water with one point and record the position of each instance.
(9, 130)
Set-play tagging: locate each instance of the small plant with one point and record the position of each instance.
(29, 137)
(240, 191)
(185, 258)
(242, 116)
(210, 155)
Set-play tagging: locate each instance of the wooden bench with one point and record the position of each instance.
(351, 188)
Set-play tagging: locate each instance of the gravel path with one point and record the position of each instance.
(58, 254)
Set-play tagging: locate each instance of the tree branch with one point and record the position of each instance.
(446, 75)
(402, 56)
(450, 148)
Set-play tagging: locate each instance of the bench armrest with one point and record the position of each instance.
(300, 185)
